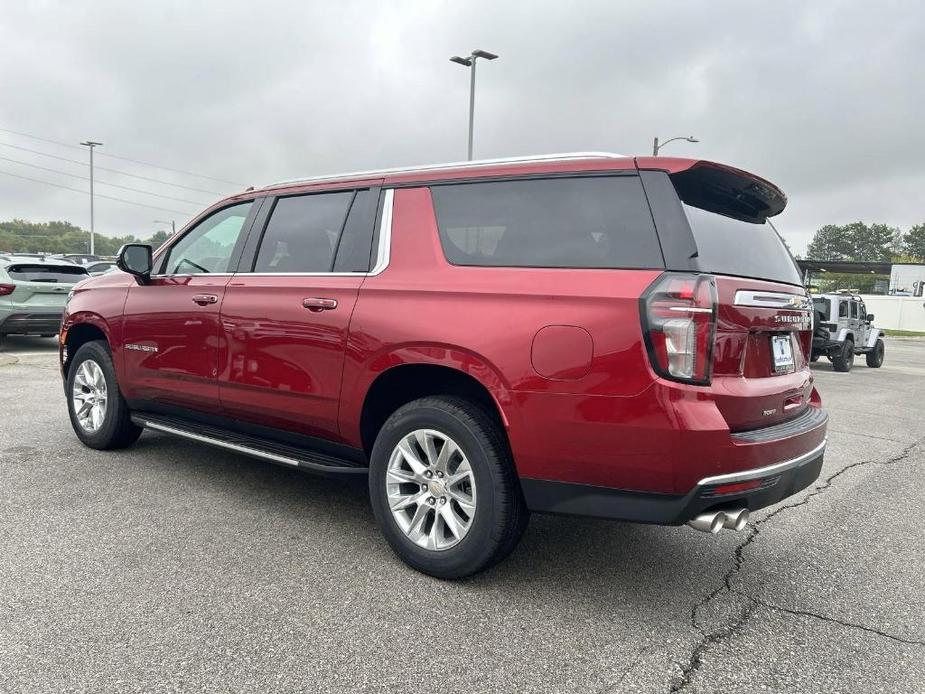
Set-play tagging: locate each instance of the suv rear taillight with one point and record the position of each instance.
(7, 289)
(678, 314)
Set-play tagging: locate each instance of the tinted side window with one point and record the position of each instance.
(354, 248)
(854, 309)
(209, 245)
(842, 309)
(303, 233)
(592, 222)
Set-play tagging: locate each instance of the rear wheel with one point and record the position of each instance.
(443, 487)
(875, 356)
(99, 414)
(844, 360)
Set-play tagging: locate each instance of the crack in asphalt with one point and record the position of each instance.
(833, 620)
(695, 662)
(610, 687)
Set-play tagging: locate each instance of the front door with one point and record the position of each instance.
(286, 319)
(171, 328)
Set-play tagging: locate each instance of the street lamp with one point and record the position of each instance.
(469, 62)
(656, 146)
(172, 223)
(91, 144)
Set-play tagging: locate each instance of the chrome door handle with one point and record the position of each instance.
(318, 304)
(203, 299)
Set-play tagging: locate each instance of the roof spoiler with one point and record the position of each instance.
(722, 189)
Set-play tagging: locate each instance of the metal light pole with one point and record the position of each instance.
(656, 146)
(172, 223)
(469, 62)
(91, 144)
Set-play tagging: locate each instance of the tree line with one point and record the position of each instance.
(868, 242)
(20, 236)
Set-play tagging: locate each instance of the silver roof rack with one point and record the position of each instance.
(566, 156)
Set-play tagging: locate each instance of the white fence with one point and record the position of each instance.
(897, 312)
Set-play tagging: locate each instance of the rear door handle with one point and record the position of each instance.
(204, 299)
(318, 304)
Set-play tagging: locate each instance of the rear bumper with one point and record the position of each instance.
(31, 323)
(776, 482)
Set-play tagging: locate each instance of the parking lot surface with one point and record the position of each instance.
(174, 567)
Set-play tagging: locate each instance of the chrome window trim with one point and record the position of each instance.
(764, 299)
(384, 252)
(194, 274)
(758, 473)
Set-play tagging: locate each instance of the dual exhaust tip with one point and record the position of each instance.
(714, 521)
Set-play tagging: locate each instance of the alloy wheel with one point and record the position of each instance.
(89, 396)
(431, 489)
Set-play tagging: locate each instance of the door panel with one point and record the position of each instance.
(171, 329)
(285, 354)
(171, 341)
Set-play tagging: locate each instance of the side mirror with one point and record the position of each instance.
(136, 259)
(870, 317)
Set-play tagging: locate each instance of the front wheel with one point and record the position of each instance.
(844, 360)
(443, 487)
(99, 414)
(875, 356)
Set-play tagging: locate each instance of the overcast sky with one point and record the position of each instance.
(826, 99)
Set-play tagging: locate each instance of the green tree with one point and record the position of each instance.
(855, 241)
(831, 242)
(914, 243)
(20, 236)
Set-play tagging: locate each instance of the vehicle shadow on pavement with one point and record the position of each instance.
(561, 557)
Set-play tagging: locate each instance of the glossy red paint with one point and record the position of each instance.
(561, 352)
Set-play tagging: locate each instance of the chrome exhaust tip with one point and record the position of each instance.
(735, 520)
(711, 522)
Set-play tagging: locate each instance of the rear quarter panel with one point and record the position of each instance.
(483, 321)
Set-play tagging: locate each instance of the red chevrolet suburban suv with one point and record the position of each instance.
(583, 334)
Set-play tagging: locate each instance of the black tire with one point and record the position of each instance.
(814, 357)
(875, 356)
(501, 514)
(844, 360)
(117, 429)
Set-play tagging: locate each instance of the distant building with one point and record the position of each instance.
(907, 280)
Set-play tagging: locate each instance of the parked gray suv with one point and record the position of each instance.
(843, 328)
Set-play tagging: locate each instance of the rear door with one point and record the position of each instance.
(286, 313)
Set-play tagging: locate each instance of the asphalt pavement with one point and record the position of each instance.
(175, 567)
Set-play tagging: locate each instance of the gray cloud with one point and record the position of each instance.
(823, 98)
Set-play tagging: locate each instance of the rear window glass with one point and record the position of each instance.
(56, 274)
(821, 304)
(730, 246)
(593, 222)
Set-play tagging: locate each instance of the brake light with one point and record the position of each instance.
(6, 289)
(678, 314)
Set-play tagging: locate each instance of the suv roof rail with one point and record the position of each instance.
(564, 156)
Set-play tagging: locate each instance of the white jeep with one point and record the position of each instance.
(843, 328)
